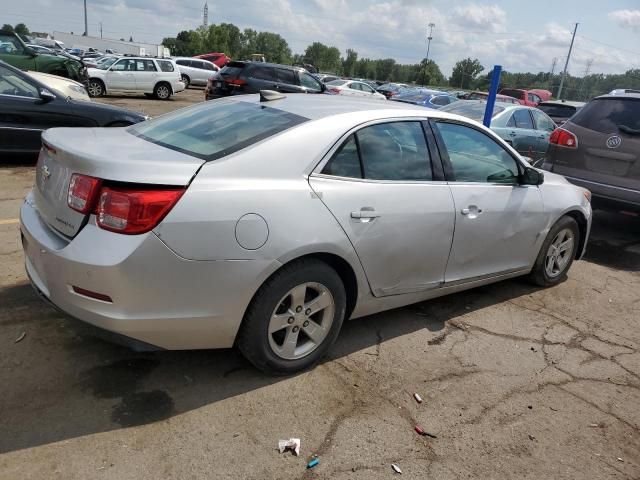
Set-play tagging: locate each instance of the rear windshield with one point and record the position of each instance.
(213, 130)
(233, 69)
(472, 110)
(558, 110)
(337, 83)
(610, 115)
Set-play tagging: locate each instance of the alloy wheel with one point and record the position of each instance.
(301, 321)
(94, 89)
(162, 92)
(559, 253)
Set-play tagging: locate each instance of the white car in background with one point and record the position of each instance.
(159, 77)
(65, 86)
(195, 71)
(353, 88)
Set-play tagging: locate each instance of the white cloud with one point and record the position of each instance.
(480, 17)
(626, 18)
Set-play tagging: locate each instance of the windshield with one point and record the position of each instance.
(213, 129)
(413, 96)
(106, 63)
(472, 110)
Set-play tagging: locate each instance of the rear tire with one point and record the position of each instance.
(162, 91)
(294, 318)
(95, 88)
(557, 253)
(185, 79)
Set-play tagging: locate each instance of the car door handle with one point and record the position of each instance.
(365, 214)
(513, 134)
(472, 209)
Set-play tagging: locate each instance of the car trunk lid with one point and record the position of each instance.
(111, 154)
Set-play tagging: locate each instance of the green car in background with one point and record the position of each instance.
(15, 52)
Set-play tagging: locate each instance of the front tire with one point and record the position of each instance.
(294, 318)
(95, 88)
(557, 253)
(162, 91)
(185, 79)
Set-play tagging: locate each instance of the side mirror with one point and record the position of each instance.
(531, 176)
(46, 96)
(32, 53)
(529, 160)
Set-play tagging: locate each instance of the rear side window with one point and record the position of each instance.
(521, 119)
(213, 130)
(285, 76)
(165, 66)
(512, 93)
(609, 115)
(263, 73)
(558, 110)
(233, 69)
(386, 151)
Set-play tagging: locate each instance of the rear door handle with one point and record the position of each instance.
(472, 211)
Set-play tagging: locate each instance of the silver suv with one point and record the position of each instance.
(194, 71)
(599, 148)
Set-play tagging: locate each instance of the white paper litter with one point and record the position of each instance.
(396, 468)
(292, 444)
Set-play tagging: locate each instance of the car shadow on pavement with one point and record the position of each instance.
(614, 241)
(61, 382)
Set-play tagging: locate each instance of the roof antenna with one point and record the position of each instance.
(270, 95)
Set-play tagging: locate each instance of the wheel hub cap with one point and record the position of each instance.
(559, 253)
(301, 321)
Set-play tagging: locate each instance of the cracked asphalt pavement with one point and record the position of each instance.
(517, 382)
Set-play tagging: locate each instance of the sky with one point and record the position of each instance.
(522, 36)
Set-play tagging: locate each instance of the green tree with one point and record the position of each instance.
(21, 29)
(429, 73)
(324, 58)
(349, 63)
(464, 72)
(7, 28)
(273, 47)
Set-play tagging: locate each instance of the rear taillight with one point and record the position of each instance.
(83, 191)
(333, 90)
(563, 138)
(236, 81)
(133, 211)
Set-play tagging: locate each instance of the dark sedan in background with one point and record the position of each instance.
(425, 98)
(28, 107)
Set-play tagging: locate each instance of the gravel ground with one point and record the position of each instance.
(517, 382)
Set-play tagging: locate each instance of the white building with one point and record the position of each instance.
(71, 40)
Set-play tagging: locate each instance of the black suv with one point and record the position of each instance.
(238, 78)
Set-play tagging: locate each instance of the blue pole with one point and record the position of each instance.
(493, 90)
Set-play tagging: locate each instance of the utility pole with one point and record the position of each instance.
(86, 25)
(566, 64)
(426, 62)
(584, 78)
(100, 29)
(205, 16)
(553, 69)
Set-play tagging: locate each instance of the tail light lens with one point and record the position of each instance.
(83, 191)
(236, 81)
(334, 90)
(134, 211)
(563, 138)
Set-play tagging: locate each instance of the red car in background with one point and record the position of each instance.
(530, 98)
(220, 59)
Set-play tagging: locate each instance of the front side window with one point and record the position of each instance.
(209, 66)
(197, 64)
(354, 86)
(9, 44)
(309, 82)
(210, 131)
(366, 88)
(476, 157)
(11, 84)
(386, 151)
(440, 101)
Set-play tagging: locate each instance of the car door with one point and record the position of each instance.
(287, 81)
(520, 132)
(389, 195)
(146, 75)
(198, 72)
(121, 75)
(309, 83)
(262, 78)
(14, 53)
(354, 89)
(544, 126)
(367, 90)
(25, 114)
(498, 221)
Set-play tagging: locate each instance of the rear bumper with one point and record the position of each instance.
(178, 87)
(605, 195)
(158, 298)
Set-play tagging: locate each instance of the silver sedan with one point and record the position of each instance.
(265, 221)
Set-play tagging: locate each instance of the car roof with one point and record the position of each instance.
(620, 95)
(267, 64)
(316, 107)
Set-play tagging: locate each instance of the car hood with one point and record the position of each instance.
(119, 114)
